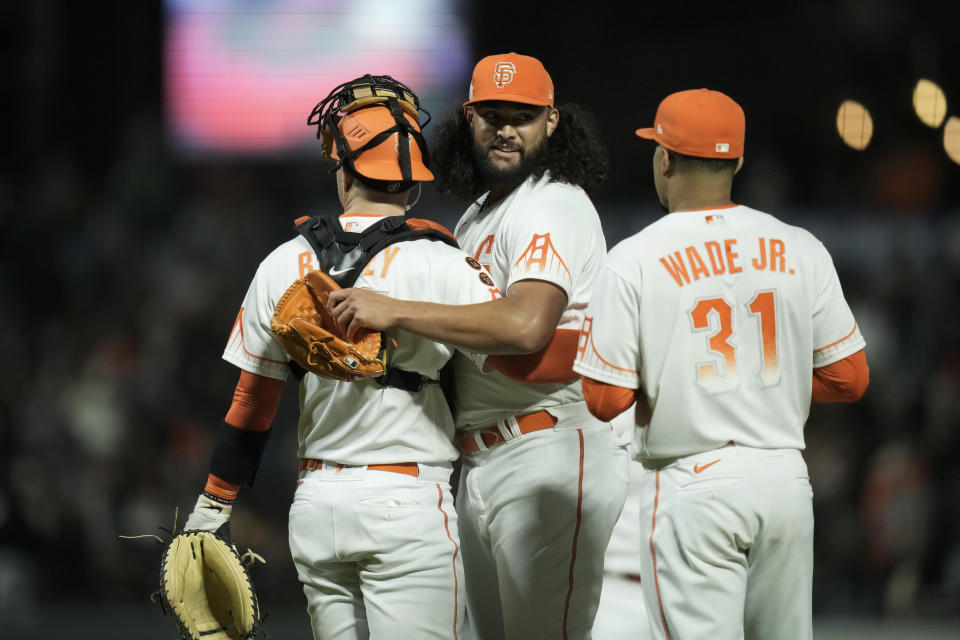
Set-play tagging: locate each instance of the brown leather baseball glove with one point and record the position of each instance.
(312, 338)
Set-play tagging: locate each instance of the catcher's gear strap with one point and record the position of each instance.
(236, 454)
(361, 93)
(343, 254)
(346, 253)
(404, 130)
(407, 380)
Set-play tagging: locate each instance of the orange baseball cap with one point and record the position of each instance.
(513, 78)
(700, 123)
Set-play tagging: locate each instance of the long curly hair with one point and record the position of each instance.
(574, 154)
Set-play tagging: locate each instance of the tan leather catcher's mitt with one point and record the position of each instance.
(311, 337)
(205, 587)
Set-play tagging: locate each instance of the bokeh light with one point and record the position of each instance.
(951, 138)
(929, 103)
(854, 124)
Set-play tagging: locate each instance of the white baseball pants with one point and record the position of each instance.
(729, 537)
(536, 514)
(378, 553)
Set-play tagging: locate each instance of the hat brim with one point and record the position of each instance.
(510, 97)
(649, 133)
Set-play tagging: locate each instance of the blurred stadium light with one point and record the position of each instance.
(854, 124)
(929, 103)
(951, 138)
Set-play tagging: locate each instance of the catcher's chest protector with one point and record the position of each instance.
(344, 254)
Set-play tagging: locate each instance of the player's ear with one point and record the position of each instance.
(553, 120)
(739, 165)
(468, 114)
(667, 165)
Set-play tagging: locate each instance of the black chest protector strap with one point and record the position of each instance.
(343, 255)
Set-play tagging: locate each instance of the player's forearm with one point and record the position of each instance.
(498, 326)
(255, 402)
(521, 322)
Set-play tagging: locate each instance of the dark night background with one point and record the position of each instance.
(123, 266)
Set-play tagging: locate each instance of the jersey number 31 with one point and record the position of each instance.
(724, 375)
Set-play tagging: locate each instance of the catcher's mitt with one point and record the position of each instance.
(205, 587)
(311, 337)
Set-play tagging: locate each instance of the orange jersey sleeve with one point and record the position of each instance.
(553, 363)
(843, 381)
(607, 401)
(255, 402)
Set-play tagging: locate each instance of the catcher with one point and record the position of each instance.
(372, 527)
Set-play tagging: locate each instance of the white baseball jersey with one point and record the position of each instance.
(542, 230)
(721, 315)
(536, 512)
(360, 423)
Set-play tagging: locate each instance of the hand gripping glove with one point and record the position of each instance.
(208, 515)
(205, 586)
(312, 338)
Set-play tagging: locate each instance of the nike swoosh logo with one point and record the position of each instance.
(697, 468)
(336, 272)
(219, 509)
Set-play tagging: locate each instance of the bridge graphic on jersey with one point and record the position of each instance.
(540, 254)
(587, 352)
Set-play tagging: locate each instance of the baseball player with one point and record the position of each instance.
(543, 481)
(621, 615)
(372, 527)
(727, 322)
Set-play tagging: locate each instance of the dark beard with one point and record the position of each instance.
(491, 175)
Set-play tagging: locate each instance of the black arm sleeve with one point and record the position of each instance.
(236, 453)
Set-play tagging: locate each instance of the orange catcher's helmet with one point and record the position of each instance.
(371, 127)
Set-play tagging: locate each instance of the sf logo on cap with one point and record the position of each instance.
(503, 73)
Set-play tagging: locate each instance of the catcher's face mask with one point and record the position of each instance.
(367, 124)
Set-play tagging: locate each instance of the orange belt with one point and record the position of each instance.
(492, 436)
(406, 468)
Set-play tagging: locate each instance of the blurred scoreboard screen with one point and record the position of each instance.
(241, 76)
